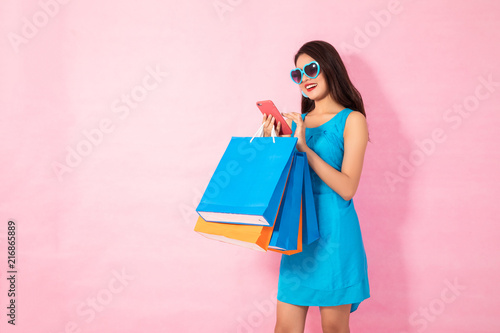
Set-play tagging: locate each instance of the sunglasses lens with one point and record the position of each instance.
(296, 75)
(311, 70)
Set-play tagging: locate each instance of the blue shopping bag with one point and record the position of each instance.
(286, 229)
(249, 181)
(297, 222)
(310, 228)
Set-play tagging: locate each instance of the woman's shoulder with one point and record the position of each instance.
(355, 122)
(355, 116)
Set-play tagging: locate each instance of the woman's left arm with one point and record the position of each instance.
(346, 181)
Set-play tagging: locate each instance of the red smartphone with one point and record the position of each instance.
(269, 108)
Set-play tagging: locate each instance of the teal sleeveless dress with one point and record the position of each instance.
(332, 270)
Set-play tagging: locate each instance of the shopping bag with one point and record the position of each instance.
(249, 181)
(249, 236)
(310, 231)
(293, 235)
(258, 237)
(299, 238)
(288, 223)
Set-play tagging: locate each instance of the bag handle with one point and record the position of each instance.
(260, 133)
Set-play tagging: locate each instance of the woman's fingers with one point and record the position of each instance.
(296, 117)
(269, 123)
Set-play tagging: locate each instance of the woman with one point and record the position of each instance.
(332, 272)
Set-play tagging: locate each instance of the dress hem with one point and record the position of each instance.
(310, 297)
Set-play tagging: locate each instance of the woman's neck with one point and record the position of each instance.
(326, 105)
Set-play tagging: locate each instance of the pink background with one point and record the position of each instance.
(108, 244)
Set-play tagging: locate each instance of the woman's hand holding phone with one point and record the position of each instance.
(270, 121)
(272, 117)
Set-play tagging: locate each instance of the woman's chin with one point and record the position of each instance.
(316, 96)
(313, 96)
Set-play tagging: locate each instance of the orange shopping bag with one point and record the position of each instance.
(251, 236)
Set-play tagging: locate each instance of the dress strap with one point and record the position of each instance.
(343, 118)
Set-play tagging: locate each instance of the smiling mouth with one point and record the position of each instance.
(311, 86)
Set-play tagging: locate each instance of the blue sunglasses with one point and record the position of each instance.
(311, 70)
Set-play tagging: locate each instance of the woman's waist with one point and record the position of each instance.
(330, 196)
(323, 189)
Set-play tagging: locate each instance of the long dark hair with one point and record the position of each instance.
(341, 88)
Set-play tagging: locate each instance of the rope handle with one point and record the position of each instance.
(260, 133)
